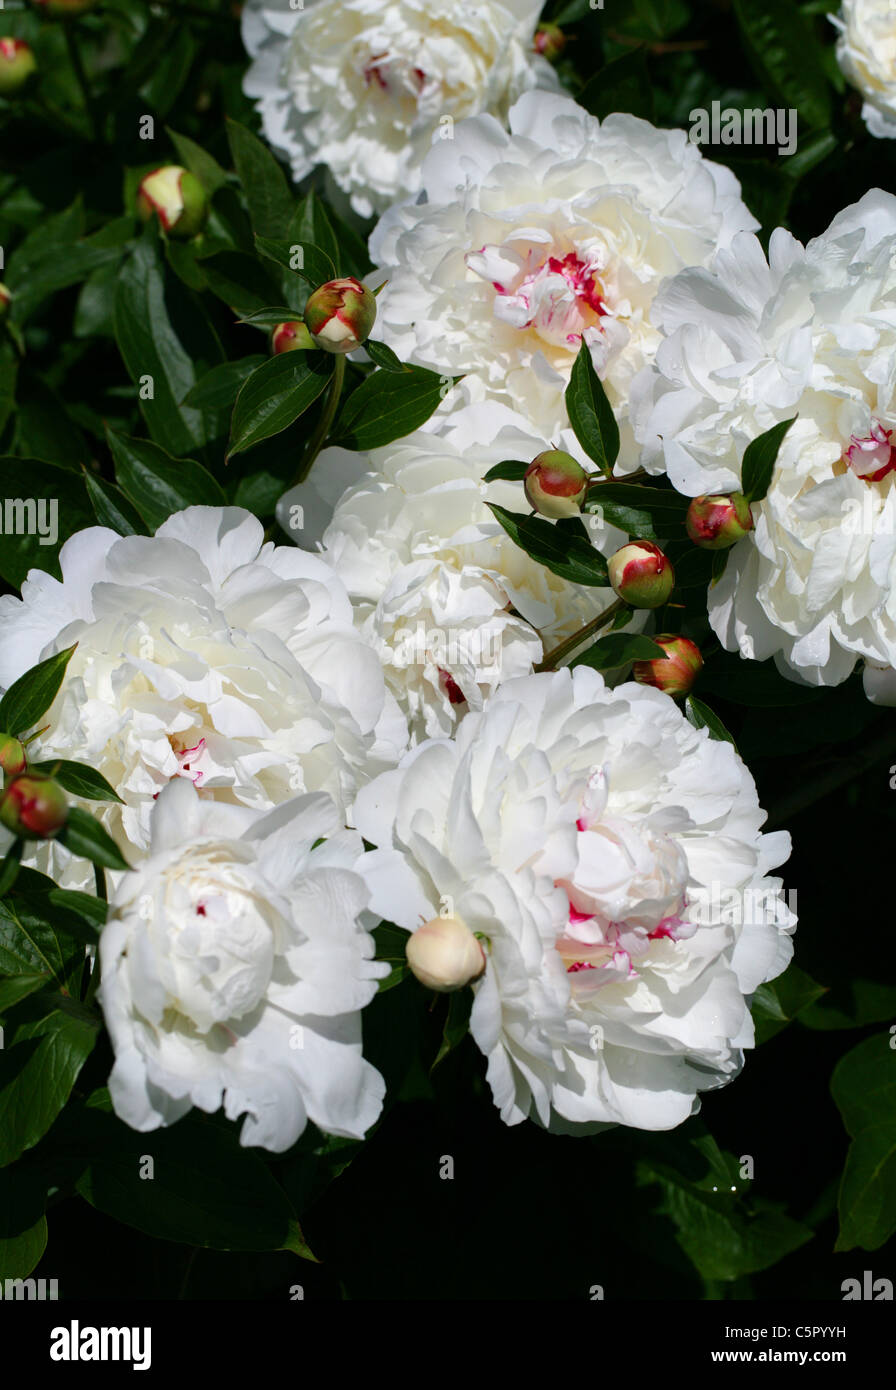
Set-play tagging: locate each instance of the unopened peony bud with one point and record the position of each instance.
(286, 337)
(340, 314)
(64, 7)
(716, 521)
(641, 574)
(33, 806)
(445, 955)
(549, 41)
(176, 197)
(12, 755)
(5, 298)
(555, 484)
(674, 673)
(17, 63)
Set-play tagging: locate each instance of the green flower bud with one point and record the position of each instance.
(12, 756)
(33, 806)
(549, 41)
(287, 337)
(176, 197)
(340, 314)
(674, 673)
(555, 484)
(641, 574)
(716, 520)
(5, 298)
(17, 65)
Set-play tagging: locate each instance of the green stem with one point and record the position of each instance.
(323, 425)
(569, 645)
(99, 878)
(74, 54)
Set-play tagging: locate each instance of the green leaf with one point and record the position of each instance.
(158, 484)
(864, 1088)
(725, 1234)
(564, 553)
(151, 348)
(311, 224)
(243, 282)
(199, 162)
(786, 55)
(84, 836)
(510, 469)
(702, 717)
(80, 780)
(37, 1074)
(591, 414)
(8, 374)
(391, 946)
(387, 406)
(28, 698)
(622, 85)
(313, 265)
(777, 1003)
(275, 395)
(383, 356)
(18, 987)
(23, 1226)
(760, 456)
(216, 392)
(205, 1188)
(112, 507)
(264, 182)
(457, 1023)
(618, 649)
(852, 1004)
(646, 513)
(269, 318)
(33, 529)
(35, 935)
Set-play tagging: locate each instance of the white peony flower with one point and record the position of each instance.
(529, 243)
(234, 967)
(866, 51)
(611, 857)
(811, 332)
(451, 604)
(365, 86)
(203, 652)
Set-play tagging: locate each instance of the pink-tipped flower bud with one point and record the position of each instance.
(64, 7)
(555, 484)
(340, 314)
(673, 673)
(5, 299)
(717, 520)
(12, 756)
(641, 574)
(445, 955)
(176, 198)
(549, 41)
(33, 806)
(17, 65)
(287, 337)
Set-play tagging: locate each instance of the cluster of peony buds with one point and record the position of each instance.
(17, 65)
(32, 805)
(716, 521)
(340, 315)
(445, 955)
(673, 673)
(640, 574)
(176, 198)
(555, 484)
(287, 337)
